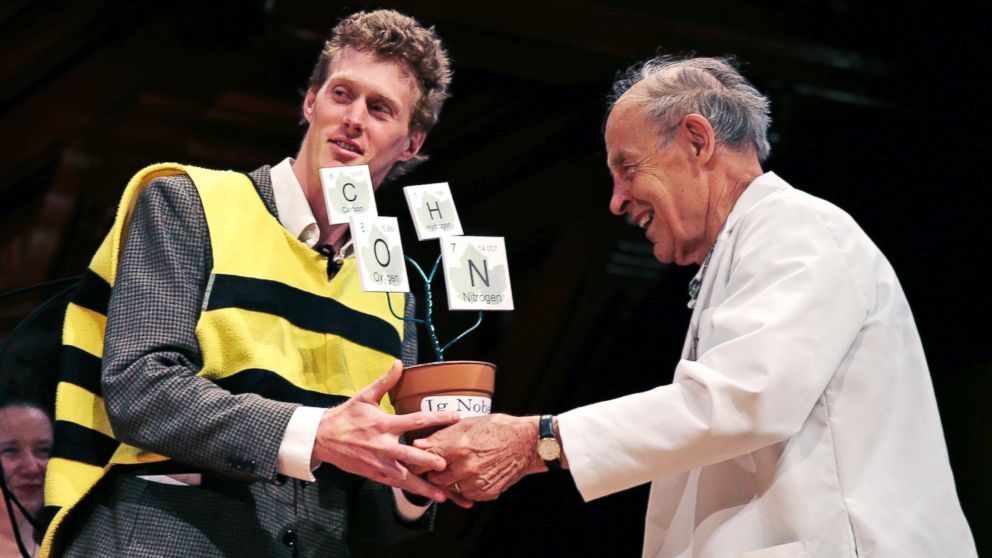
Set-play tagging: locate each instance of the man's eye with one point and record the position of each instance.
(381, 108)
(339, 93)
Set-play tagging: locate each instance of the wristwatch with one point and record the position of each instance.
(548, 447)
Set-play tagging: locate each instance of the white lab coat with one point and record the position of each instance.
(806, 426)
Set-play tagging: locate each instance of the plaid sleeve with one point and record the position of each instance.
(153, 395)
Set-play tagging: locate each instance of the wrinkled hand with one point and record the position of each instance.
(359, 437)
(452, 496)
(485, 455)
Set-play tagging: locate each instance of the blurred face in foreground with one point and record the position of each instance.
(25, 442)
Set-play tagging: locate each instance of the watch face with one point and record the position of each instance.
(548, 449)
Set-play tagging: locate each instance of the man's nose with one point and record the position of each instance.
(619, 201)
(354, 117)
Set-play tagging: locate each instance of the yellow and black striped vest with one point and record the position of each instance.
(322, 340)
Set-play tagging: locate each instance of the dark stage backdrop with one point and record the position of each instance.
(875, 107)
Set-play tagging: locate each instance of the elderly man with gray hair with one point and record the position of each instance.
(801, 420)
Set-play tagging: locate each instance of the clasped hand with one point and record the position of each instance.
(359, 437)
(473, 459)
(485, 455)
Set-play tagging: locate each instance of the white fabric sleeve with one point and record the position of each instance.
(791, 312)
(406, 509)
(295, 452)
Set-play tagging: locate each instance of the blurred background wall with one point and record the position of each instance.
(875, 107)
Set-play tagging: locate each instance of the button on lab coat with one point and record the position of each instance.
(801, 420)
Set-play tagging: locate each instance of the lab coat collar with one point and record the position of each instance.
(757, 190)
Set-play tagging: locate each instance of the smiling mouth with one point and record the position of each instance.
(644, 220)
(347, 146)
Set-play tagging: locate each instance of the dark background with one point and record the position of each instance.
(876, 107)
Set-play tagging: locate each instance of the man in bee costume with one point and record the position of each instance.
(221, 392)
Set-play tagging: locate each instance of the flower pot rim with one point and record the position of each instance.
(444, 362)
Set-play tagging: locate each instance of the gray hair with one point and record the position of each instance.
(712, 87)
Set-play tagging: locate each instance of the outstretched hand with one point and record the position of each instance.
(359, 437)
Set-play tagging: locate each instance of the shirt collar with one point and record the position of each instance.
(291, 204)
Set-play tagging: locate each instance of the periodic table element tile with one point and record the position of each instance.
(476, 273)
(433, 210)
(379, 253)
(347, 191)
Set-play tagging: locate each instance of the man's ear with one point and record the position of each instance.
(415, 142)
(698, 132)
(308, 103)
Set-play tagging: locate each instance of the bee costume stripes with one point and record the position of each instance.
(271, 324)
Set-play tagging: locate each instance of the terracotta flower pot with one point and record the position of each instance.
(465, 386)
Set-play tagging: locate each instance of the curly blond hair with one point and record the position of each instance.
(391, 35)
